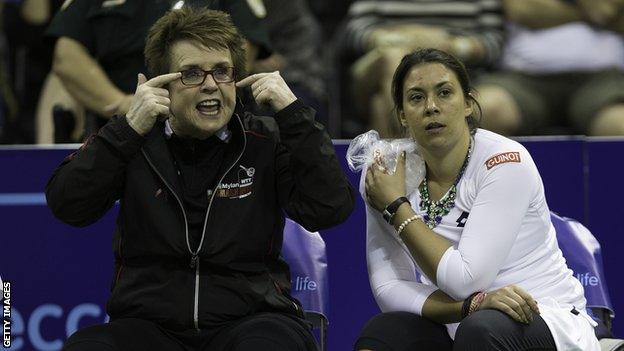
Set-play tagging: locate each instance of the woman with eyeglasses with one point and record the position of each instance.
(204, 188)
(469, 260)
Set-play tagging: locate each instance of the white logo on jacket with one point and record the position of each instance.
(240, 189)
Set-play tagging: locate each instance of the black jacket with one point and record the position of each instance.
(268, 168)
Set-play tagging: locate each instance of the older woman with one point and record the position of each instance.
(473, 248)
(203, 186)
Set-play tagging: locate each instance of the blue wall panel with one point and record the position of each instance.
(605, 210)
(60, 275)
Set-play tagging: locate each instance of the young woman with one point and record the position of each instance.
(470, 260)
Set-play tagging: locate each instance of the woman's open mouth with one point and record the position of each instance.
(209, 107)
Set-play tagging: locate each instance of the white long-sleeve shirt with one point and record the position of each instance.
(501, 234)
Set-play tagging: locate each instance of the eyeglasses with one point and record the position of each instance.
(197, 76)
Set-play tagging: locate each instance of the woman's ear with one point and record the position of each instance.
(469, 108)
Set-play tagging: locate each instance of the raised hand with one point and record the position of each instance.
(150, 101)
(513, 301)
(269, 88)
(383, 188)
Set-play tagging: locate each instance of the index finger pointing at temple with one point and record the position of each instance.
(250, 80)
(161, 80)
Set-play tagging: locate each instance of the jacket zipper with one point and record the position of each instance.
(195, 255)
(195, 258)
(195, 261)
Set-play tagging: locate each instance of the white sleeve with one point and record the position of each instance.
(391, 271)
(503, 197)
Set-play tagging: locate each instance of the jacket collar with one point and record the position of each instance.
(158, 155)
(224, 134)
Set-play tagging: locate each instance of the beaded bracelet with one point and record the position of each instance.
(476, 302)
(406, 222)
(466, 305)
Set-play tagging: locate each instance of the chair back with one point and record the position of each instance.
(582, 253)
(306, 255)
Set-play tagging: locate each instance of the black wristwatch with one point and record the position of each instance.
(390, 210)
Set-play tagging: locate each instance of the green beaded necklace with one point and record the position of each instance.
(435, 210)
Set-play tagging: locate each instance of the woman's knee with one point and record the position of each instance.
(394, 331)
(269, 331)
(483, 329)
(397, 318)
(495, 330)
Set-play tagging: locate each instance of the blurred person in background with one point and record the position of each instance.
(562, 70)
(29, 59)
(379, 33)
(330, 13)
(295, 36)
(99, 47)
(59, 117)
(7, 99)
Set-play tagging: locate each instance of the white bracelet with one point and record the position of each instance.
(406, 222)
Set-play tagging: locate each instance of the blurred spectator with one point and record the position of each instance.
(562, 66)
(28, 62)
(59, 118)
(6, 94)
(330, 14)
(99, 50)
(379, 33)
(295, 36)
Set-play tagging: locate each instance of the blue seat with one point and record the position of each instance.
(583, 255)
(306, 255)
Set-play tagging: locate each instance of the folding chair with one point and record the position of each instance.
(582, 253)
(306, 255)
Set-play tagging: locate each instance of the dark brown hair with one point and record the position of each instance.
(213, 29)
(429, 55)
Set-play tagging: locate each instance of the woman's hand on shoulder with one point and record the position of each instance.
(381, 187)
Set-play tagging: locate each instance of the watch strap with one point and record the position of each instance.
(390, 210)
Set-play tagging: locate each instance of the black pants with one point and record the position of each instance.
(266, 331)
(481, 331)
